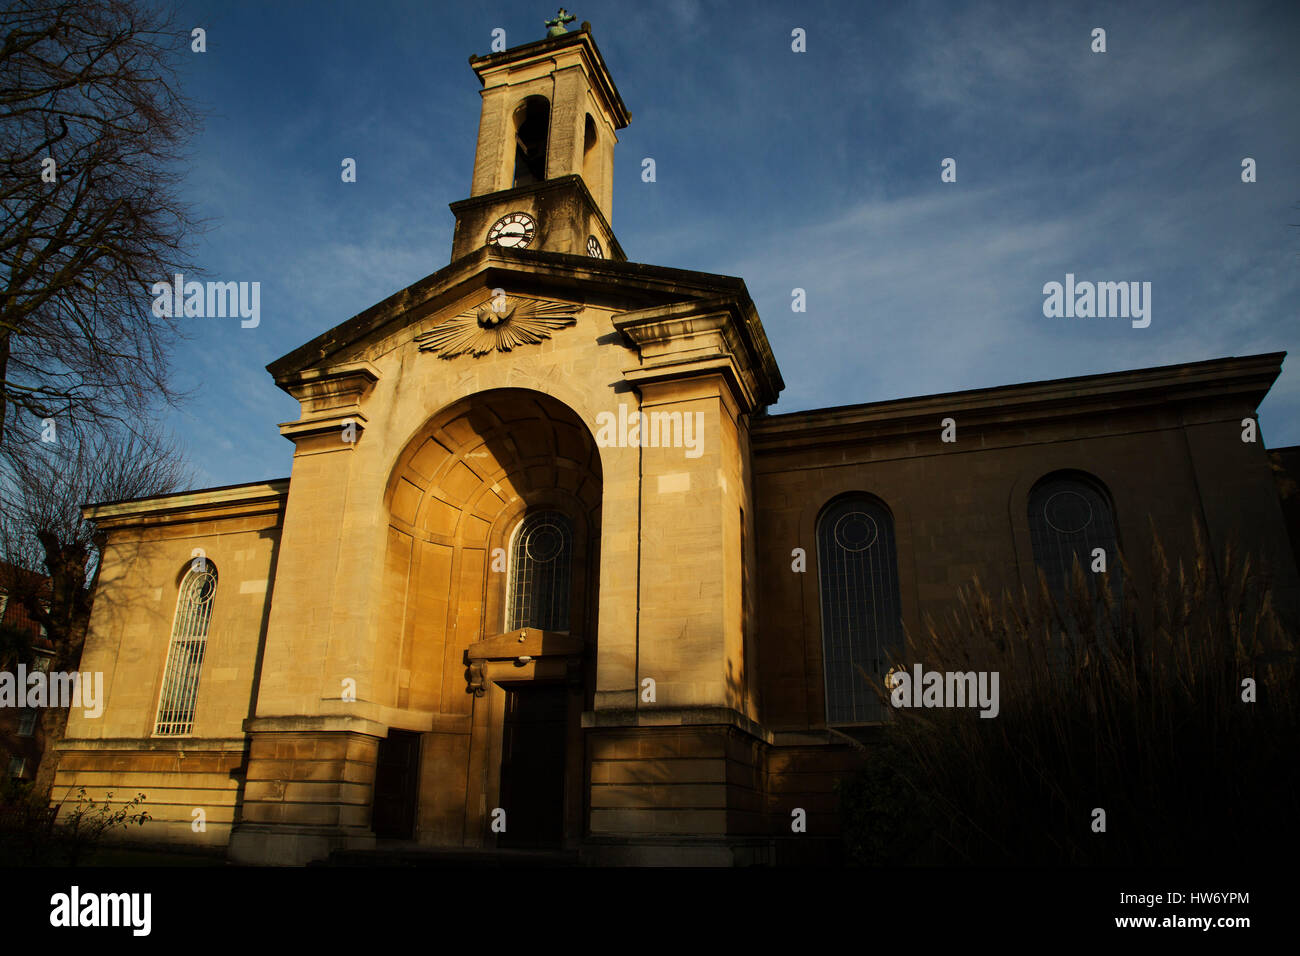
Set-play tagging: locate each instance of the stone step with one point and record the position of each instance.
(451, 857)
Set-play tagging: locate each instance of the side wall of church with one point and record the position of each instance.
(961, 510)
(130, 631)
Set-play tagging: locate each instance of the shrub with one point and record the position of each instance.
(35, 834)
(1126, 703)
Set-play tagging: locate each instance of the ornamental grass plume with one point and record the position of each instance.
(1175, 709)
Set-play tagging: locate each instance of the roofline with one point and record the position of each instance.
(581, 37)
(258, 496)
(1250, 376)
(439, 288)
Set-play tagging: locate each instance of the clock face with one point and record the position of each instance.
(593, 248)
(513, 231)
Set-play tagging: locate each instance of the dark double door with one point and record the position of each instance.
(533, 764)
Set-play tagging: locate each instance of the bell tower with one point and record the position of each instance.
(544, 164)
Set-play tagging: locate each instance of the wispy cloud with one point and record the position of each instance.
(816, 170)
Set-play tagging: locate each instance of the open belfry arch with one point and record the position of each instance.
(546, 574)
(549, 108)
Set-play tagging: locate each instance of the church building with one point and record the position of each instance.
(549, 572)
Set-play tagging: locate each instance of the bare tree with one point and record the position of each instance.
(92, 126)
(15, 642)
(42, 494)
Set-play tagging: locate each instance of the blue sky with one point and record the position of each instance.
(816, 170)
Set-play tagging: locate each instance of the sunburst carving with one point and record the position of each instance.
(497, 324)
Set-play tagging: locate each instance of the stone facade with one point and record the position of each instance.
(361, 681)
(150, 547)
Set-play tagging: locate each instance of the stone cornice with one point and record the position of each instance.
(583, 43)
(652, 716)
(721, 333)
(132, 745)
(315, 723)
(330, 398)
(331, 386)
(230, 501)
(1247, 379)
(572, 183)
(740, 398)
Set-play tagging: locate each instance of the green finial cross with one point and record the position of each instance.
(557, 25)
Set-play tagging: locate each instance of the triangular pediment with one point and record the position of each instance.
(543, 287)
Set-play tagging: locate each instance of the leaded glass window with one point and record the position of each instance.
(185, 655)
(862, 622)
(541, 565)
(1069, 517)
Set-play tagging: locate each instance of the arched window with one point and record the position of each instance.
(1070, 516)
(862, 621)
(185, 655)
(532, 126)
(541, 564)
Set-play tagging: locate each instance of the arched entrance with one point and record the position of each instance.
(489, 614)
